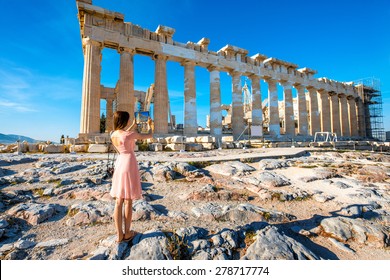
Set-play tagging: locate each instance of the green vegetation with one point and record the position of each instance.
(177, 247)
(73, 212)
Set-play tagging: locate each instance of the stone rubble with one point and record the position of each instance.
(59, 207)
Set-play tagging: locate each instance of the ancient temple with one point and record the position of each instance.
(323, 105)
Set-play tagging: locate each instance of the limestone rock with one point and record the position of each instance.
(269, 164)
(33, 213)
(184, 168)
(82, 148)
(341, 246)
(208, 146)
(272, 245)
(178, 216)
(205, 139)
(101, 253)
(322, 198)
(33, 148)
(142, 210)
(175, 147)
(52, 243)
(243, 212)
(219, 253)
(98, 148)
(361, 231)
(155, 147)
(176, 139)
(194, 147)
(268, 179)
(54, 149)
(3, 223)
(230, 168)
(109, 249)
(341, 185)
(199, 244)
(228, 139)
(228, 239)
(90, 213)
(24, 244)
(320, 174)
(67, 167)
(163, 173)
(190, 234)
(209, 212)
(250, 213)
(151, 245)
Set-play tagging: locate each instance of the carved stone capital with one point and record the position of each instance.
(213, 68)
(286, 83)
(270, 80)
(234, 73)
(299, 87)
(126, 50)
(341, 95)
(88, 41)
(255, 78)
(322, 92)
(160, 57)
(188, 63)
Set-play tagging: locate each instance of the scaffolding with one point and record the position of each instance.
(370, 93)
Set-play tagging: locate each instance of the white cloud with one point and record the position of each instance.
(16, 106)
(22, 90)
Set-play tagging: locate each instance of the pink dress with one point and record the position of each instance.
(126, 182)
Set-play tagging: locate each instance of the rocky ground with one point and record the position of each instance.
(320, 205)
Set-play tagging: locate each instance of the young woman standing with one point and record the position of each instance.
(126, 182)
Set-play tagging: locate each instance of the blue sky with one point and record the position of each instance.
(41, 61)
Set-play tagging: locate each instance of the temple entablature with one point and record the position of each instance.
(258, 59)
(317, 98)
(204, 44)
(233, 53)
(308, 72)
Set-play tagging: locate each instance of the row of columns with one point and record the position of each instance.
(328, 111)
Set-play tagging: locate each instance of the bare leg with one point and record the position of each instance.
(128, 217)
(118, 217)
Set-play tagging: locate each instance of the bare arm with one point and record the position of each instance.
(149, 135)
(132, 127)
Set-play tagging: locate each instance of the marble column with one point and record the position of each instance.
(344, 117)
(190, 117)
(90, 103)
(273, 109)
(302, 110)
(160, 95)
(361, 117)
(109, 115)
(125, 97)
(335, 113)
(353, 124)
(215, 103)
(238, 125)
(315, 124)
(289, 123)
(325, 111)
(257, 110)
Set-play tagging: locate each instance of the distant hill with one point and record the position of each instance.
(12, 138)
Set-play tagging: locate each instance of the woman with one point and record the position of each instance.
(126, 183)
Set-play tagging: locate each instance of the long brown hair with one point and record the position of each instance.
(121, 118)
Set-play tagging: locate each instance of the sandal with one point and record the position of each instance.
(132, 235)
